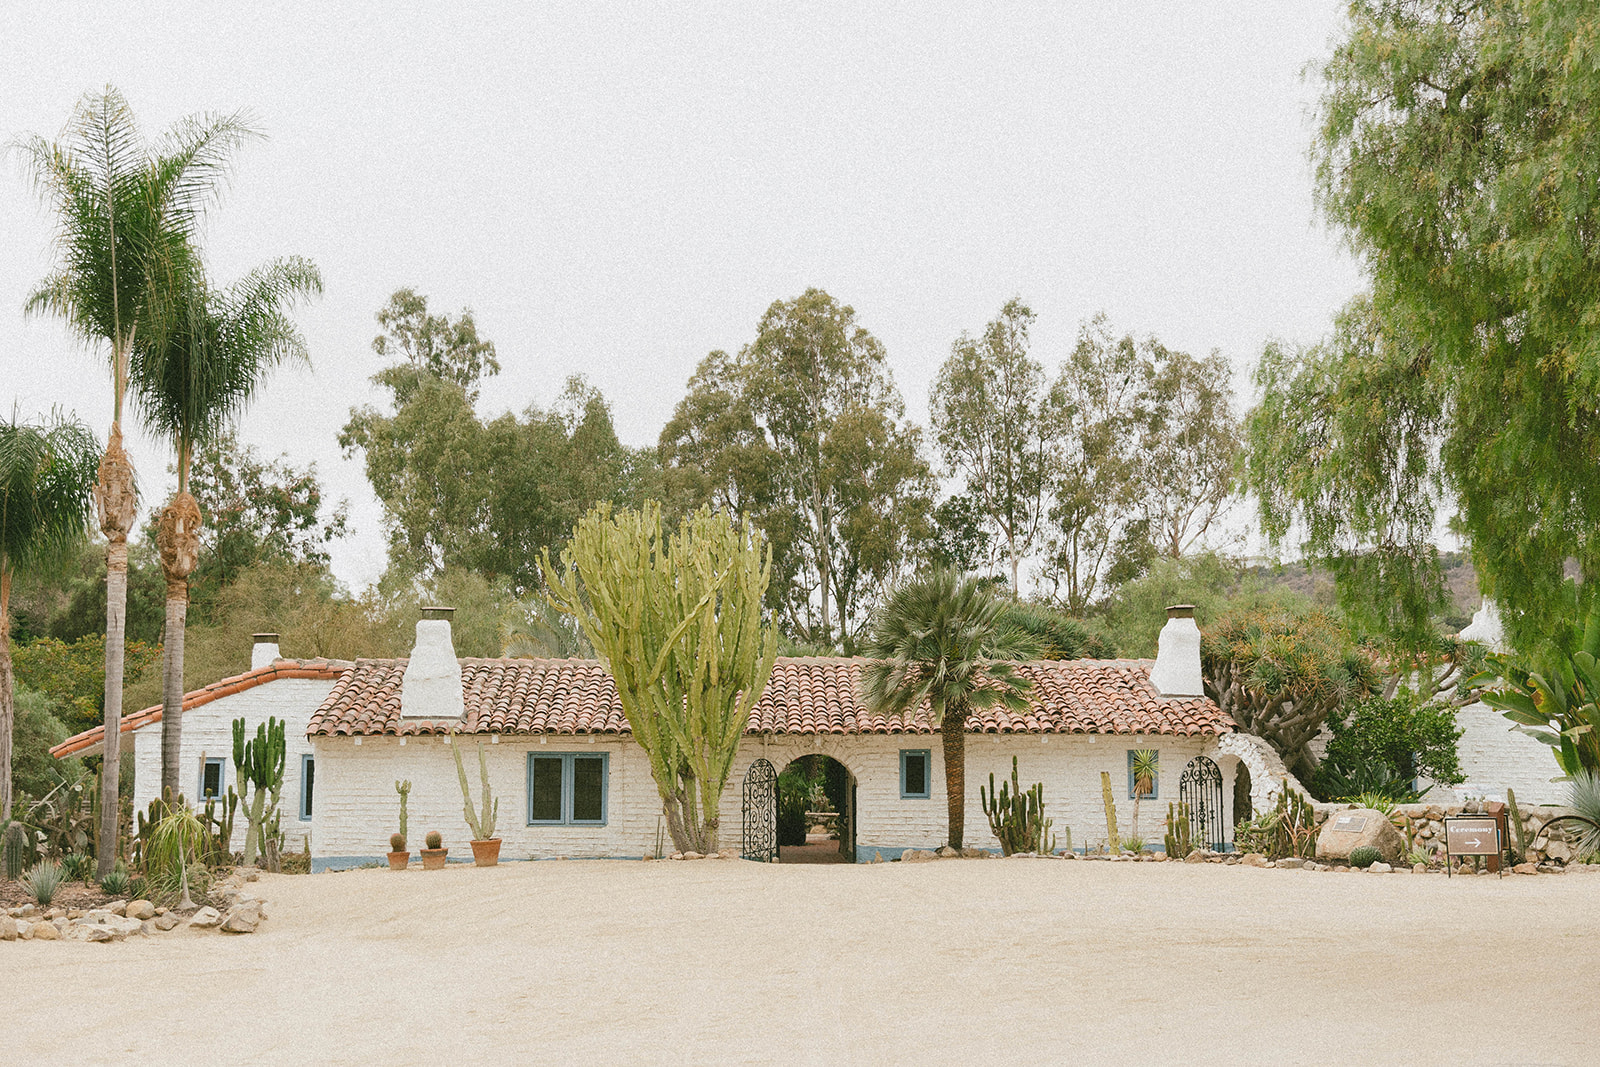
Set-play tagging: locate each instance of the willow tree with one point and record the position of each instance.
(126, 214)
(45, 477)
(190, 383)
(676, 620)
(1456, 150)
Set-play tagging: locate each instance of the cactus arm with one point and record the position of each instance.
(490, 814)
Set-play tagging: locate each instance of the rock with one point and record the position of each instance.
(1197, 856)
(116, 907)
(92, 932)
(242, 919)
(165, 921)
(149, 928)
(75, 913)
(1558, 850)
(1526, 868)
(1254, 859)
(693, 856)
(8, 928)
(1290, 863)
(1380, 868)
(249, 874)
(206, 918)
(877, 857)
(676, 856)
(44, 931)
(727, 854)
(945, 852)
(913, 855)
(1067, 856)
(161, 911)
(27, 911)
(1419, 868)
(24, 930)
(974, 853)
(140, 909)
(1360, 826)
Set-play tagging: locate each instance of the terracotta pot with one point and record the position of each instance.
(433, 858)
(486, 853)
(398, 860)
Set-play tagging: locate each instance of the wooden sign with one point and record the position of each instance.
(1350, 824)
(1474, 835)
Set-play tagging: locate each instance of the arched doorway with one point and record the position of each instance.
(1200, 787)
(816, 811)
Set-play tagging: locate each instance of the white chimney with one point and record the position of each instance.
(431, 688)
(264, 651)
(1177, 669)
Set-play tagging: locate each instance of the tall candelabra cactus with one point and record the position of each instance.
(403, 788)
(482, 825)
(1017, 816)
(260, 765)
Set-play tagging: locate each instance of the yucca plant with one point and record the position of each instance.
(115, 884)
(43, 879)
(173, 848)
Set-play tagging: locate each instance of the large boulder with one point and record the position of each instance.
(1348, 830)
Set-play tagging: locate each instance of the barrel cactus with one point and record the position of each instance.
(1363, 856)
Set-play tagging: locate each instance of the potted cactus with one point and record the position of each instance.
(485, 846)
(399, 856)
(433, 856)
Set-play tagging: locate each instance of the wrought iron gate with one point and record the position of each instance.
(760, 813)
(1201, 789)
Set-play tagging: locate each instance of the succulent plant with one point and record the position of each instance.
(1363, 856)
(43, 879)
(115, 884)
(433, 840)
(397, 842)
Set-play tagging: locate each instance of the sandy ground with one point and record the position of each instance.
(1014, 962)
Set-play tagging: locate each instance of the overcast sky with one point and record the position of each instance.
(616, 194)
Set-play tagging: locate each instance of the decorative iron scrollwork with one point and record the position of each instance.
(760, 813)
(1201, 789)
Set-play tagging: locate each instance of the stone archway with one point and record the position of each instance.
(817, 817)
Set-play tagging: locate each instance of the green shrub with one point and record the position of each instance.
(138, 888)
(1364, 856)
(43, 879)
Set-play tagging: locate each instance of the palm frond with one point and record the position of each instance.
(47, 474)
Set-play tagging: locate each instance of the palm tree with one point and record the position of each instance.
(190, 383)
(126, 215)
(46, 477)
(939, 640)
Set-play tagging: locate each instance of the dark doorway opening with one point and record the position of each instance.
(816, 811)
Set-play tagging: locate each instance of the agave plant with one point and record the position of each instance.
(1558, 704)
(1583, 804)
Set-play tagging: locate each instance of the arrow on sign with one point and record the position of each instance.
(1475, 842)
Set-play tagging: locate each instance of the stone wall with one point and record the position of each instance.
(357, 808)
(208, 732)
(1423, 826)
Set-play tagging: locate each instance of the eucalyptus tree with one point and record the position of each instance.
(190, 383)
(126, 212)
(46, 480)
(676, 619)
(1455, 149)
(992, 425)
(941, 640)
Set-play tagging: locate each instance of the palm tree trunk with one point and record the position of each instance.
(953, 731)
(118, 508)
(178, 541)
(7, 708)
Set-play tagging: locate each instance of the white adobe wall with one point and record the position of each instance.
(357, 807)
(1494, 756)
(208, 731)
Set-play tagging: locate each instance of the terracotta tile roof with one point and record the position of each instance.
(805, 696)
(325, 669)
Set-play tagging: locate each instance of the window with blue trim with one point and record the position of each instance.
(567, 788)
(308, 781)
(915, 767)
(1152, 769)
(211, 777)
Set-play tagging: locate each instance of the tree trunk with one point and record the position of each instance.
(953, 730)
(118, 508)
(178, 540)
(7, 708)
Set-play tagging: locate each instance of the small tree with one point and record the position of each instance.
(938, 640)
(676, 621)
(1279, 675)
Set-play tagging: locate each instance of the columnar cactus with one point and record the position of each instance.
(482, 826)
(402, 788)
(260, 765)
(1179, 837)
(1017, 816)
